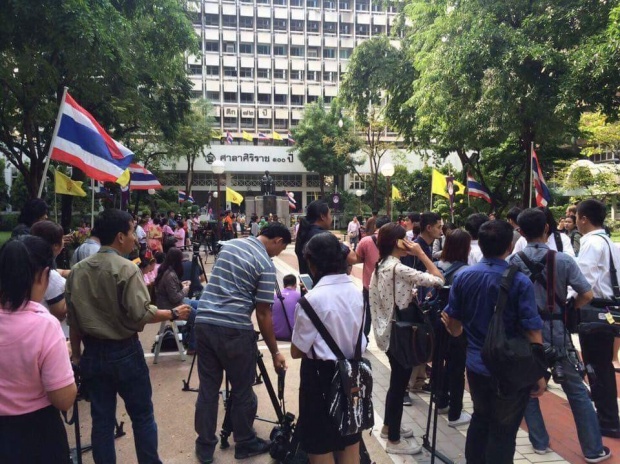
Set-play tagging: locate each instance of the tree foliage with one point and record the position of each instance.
(599, 134)
(323, 146)
(122, 61)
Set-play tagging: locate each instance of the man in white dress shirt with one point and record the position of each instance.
(472, 225)
(594, 261)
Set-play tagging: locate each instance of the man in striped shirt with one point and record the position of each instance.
(243, 278)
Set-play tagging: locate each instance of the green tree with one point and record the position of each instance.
(599, 134)
(123, 61)
(4, 189)
(323, 146)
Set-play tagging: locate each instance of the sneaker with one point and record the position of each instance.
(252, 448)
(604, 455)
(543, 451)
(404, 432)
(407, 401)
(403, 447)
(204, 457)
(465, 418)
(443, 410)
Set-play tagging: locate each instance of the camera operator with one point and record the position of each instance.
(243, 277)
(561, 355)
(594, 261)
(108, 305)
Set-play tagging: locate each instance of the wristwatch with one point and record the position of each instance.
(174, 314)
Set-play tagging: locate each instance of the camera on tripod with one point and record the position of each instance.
(196, 248)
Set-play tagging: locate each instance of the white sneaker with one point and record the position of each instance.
(465, 418)
(404, 447)
(405, 432)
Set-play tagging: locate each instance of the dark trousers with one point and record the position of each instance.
(108, 368)
(38, 437)
(235, 351)
(453, 381)
(399, 378)
(366, 295)
(597, 350)
(492, 433)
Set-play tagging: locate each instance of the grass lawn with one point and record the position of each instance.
(4, 236)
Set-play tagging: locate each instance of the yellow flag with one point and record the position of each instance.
(276, 136)
(64, 185)
(233, 196)
(124, 179)
(395, 193)
(439, 186)
(247, 136)
(460, 186)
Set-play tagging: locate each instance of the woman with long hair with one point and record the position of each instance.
(37, 379)
(391, 287)
(155, 236)
(318, 219)
(169, 290)
(339, 306)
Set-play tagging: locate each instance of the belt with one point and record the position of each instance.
(94, 341)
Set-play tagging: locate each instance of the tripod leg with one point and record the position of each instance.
(227, 423)
(186, 383)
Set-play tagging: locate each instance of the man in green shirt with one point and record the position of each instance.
(108, 303)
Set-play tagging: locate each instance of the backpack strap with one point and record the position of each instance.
(449, 274)
(558, 241)
(538, 276)
(612, 270)
(373, 237)
(504, 288)
(320, 327)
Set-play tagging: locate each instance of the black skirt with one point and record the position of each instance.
(316, 431)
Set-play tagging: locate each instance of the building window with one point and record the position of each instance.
(297, 100)
(329, 53)
(196, 94)
(229, 20)
(361, 6)
(213, 70)
(212, 20)
(345, 28)
(263, 2)
(247, 122)
(247, 97)
(279, 2)
(264, 123)
(329, 4)
(212, 46)
(213, 96)
(279, 74)
(195, 69)
(263, 23)
(329, 28)
(312, 3)
(230, 122)
(297, 51)
(279, 50)
(246, 22)
(262, 49)
(229, 47)
(279, 99)
(345, 53)
(245, 180)
(262, 73)
(376, 30)
(264, 98)
(328, 99)
(358, 182)
(229, 71)
(313, 52)
(312, 98)
(279, 24)
(313, 26)
(329, 76)
(377, 6)
(362, 29)
(297, 25)
(312, 76)
(296, 75)
(230, 97)
(313, 180)
(246, 72)
(297, 2)
(246, 48)
(344, 5)
(280, 123)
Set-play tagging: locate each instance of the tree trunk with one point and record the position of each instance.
(190, 175)
(322, 184)
(526, 143)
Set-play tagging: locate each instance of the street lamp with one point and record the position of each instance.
(358, 194)
(387, 170)
(218, 169)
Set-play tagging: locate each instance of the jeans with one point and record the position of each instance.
(108, 368)
(453, 382)
(583, 412)
(235, 351)
(596, 349)
(399, 377)
(492, 433)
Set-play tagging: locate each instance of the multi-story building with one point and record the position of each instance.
(263, 60)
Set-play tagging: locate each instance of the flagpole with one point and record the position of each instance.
(54, 134)
(529, 205)
(92, 203)
(55, 208)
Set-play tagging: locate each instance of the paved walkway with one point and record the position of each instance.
(174, 410)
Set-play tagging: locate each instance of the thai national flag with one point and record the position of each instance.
(290, 137)
(184, 197)
(475, 189)
(229, 137)
(543, 195)
(262, 136)
(142, 178)
(81, 142)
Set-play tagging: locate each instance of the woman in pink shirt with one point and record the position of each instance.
(37, 378)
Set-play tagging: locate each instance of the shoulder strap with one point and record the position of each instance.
(612, 270)
(374, 239)
(539, 276)
(320, 327)
(558, 241)
(504, 289)
(452, 269)
(550, 281)
(395, 313)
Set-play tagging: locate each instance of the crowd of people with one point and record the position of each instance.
(131, 272)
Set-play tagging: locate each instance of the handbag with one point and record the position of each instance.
(350, 396)
(412, 337)
(515, 363)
